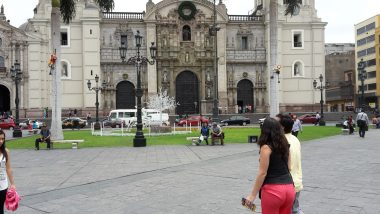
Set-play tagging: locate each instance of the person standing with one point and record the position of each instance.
(297, 126)
(362, 121)
(318, 118)
(6, 174)
(350, 124)
(45, 137)
(274, 180)
(295, 157)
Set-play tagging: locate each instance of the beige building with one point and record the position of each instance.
(367, 47)
(185, 57)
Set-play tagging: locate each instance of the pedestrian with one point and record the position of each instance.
(297, 126)
(295, 157)
(216, 132)
(318, 118)
(350, 124)
(45, 137)
(88, 117)
(274, 182)
(362, 121)
(70, 113)
(6, 174)
(205, 132)
(75, 112)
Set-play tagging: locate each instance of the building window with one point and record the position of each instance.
(371, 38)
(371, 74)
(360, 30)
(371, 50)
(124, 40)
(371, 62)
(65, 69)
(244, 43)
(65, 36)
(370, 26)
(297, 39)
(362, 42)
(186, 33)
(362, 53)
(297, 69)
(372, 86)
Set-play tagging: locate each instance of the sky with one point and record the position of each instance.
(341, 15)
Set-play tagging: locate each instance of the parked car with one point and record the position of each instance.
(307, 118)
(236, 120)
(114, 123)
(70, 122)
(7, 124)
(24, 124)
(193, 120)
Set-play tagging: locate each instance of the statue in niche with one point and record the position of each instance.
(165, 76)
(297, 70)
(187, 57)
(208, 92)
(208, 78)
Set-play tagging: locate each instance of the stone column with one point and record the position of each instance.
(151, 69)
(222, 68)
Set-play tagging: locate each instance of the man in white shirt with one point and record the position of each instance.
(362, 121)
(295, 157)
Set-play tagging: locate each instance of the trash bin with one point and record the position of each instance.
(252, 138)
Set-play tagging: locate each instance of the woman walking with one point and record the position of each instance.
(273, 181)
(5, 171)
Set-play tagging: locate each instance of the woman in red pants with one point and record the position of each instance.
(273, 181)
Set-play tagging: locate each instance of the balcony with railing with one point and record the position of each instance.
(123, 15)
(256, 55)
(244, 18)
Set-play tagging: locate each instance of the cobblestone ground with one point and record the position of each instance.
(341, 175)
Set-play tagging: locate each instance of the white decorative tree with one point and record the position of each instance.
(161, 102)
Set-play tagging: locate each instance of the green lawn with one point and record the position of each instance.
(233, 135)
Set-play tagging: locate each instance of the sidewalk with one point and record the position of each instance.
(341, 175)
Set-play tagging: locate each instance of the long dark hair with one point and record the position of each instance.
(2, 147)
(272, 134)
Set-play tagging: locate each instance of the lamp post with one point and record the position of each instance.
(16, 75)
(139, 140)
(362, 77)
(321, 87)
(97, 88)
(214, 32)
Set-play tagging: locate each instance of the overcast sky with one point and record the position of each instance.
(341, 15)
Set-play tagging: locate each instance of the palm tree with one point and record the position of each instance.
(292, 6)
(66, 10)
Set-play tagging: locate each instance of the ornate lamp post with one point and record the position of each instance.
(16, 75)
(362, 77)
(139, 140)
(97, 88)
(321, 87)
(214, 32)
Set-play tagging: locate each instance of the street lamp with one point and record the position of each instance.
(139, 140)
(213, 31)
(362, 77)
(321, 87)
(16, 75)
(97, 88)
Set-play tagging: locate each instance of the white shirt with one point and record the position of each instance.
(3, 173)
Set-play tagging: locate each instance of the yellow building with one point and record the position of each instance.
(368, 49)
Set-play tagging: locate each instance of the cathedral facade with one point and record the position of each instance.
(192, 61)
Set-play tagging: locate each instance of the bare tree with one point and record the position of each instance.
(161, 102)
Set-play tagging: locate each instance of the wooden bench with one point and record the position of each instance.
(74, 143)
(217, 139)
(194, 140)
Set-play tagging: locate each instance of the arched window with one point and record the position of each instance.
(65, 69)
(186, 33)
(298, 69)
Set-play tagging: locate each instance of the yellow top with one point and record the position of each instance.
(295, 157)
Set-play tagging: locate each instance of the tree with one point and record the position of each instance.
(66, 10)
(291, 8)
(161, 102)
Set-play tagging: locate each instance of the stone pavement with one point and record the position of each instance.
(341, 175)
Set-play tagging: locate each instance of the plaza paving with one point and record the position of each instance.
(341, 175)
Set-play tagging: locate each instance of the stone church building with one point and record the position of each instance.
(185, 64)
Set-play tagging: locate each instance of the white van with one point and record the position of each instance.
(128, 115)
(153, 117)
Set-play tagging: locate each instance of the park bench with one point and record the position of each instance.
(194, 140)
(217, 139)
(74, 143)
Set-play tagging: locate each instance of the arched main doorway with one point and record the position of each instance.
(187, 93)
(245, 96)
(125, 95)
(5, 99)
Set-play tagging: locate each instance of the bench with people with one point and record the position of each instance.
(216, 134)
